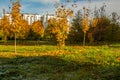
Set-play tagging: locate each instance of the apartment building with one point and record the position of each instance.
(34, 17)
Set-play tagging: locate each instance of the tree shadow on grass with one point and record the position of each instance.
(54, 68)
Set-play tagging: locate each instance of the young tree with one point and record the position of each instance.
(85, 23)
(16, 16)
(19, 25)
(59, 26)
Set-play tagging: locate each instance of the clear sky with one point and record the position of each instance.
(44, 6)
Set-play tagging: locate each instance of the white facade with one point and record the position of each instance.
(9, 16)
(45, 19)
(28, 17)
(34, 17)
(31, 17)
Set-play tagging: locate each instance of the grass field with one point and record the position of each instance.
(47, 62)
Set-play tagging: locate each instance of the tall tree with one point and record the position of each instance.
(19, 26)
(85, 23)
(16, 16)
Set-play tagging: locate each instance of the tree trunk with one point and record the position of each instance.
(90, 37)
(4, 38)
(61, 43)
(84, 39)
(15, 43)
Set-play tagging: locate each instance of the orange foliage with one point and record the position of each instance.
(38, 28)
(85, 24)
(94, 25)
(95, 22)
(85, 27)
(15, 10)
(5, 27)
(21, 28)
(19, 25)
(59, 26)
(64, 13)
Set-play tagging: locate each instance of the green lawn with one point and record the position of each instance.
(47, 62)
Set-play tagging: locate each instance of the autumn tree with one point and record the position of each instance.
(101, 27)
(37, 28)
(5, 27)
(16, 16)
(59, 30)
(19, 25)
(59, 25)
(22, 29)
(85, 23)
(81, 22)
(92, 29)
(98, 17)
(104, 28)
(99, 23)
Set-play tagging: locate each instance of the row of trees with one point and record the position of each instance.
(93, 27)
(83, 27)
(18, 28)
(101, 28)
(14, 26)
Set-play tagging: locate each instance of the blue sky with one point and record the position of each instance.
(44, 6)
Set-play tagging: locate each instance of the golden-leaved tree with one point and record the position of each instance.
(20, 26)
(92, 29)
(59, 26)
(97, 24)
(5, 27)
(38, 28)
(95, 21)
(85, 23)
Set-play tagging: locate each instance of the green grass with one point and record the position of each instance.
(47, 62)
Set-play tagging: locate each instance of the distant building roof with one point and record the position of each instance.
(30, 13)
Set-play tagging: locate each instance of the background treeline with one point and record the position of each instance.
(94, 27)
(101, 28)
(106, 30)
